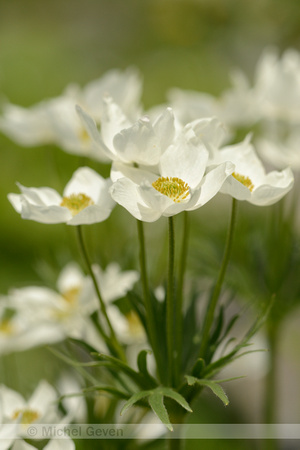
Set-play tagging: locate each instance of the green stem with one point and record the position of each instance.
(150, 318)
(270, 410)
(113, 337)
(179, 297)
(216, 292)
(170, 303)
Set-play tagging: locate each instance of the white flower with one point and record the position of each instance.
(41, 407)
(113, 282)
(47, 316)
(281, 151)
(277, 84)
(249, 180)
(55, 120)
(179, 183)
(142, 142)
(85, 200)
(21, 329)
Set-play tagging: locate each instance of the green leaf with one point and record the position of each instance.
(213, 385)
(137, 377)
(134, 399)
(198, 367)
(157, 404)
(168, 392)
(142, 366)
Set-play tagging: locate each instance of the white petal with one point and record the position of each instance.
(89, 215)
(43, 397)
(128, 195)
(85, 181)
(113, 121)
(185, 161)
(138, 144)
(11, 401)
(92, 130)
(41, 196)
(212, 182)
(70, 277)
(164, 128)
(44, 214)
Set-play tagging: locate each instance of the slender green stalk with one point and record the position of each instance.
(150, 318)
(216, 292)
(113, 337)
(270, 410)
(179, 297)
(171, 303)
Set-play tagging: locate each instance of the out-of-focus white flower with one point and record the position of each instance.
(85, 200)
(42, 407)
(281, 152)
(47, 316)
(277, 85)
(115, 283)
(180, 182)
(55, 120)
(21, 330)
(142, 142)
(249, 181)
(237, 106)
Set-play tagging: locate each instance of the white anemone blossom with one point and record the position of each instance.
(55, 121)
(180, 182)
(41, 407)
(85, 200)
(141, 142)
(249, 180)
(21, 330)
(65, 312)
(281, 151)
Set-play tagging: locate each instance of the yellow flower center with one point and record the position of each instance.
(6, 326)
(173, 187)
(244, 180)
(76, 203)
(28, 416)
(134, 324)
(71, 295)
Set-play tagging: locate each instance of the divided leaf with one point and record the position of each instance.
(212, 385)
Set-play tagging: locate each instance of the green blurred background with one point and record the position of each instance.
(45, 45)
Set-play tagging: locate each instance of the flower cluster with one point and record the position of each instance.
(162, 163)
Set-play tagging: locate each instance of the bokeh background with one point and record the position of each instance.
(191, 44)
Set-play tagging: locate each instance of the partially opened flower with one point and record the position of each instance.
(141, 142)
(85, 200)
(180, 182)
(249, 181)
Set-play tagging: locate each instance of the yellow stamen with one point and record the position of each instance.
(71, 295)
(134, 324)
(76, 203)
(244, 180)
(28, 416)
(173, 187)
(6, 326)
